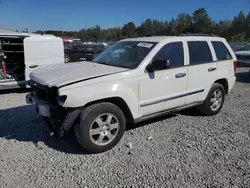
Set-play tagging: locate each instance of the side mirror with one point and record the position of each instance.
(158, 65)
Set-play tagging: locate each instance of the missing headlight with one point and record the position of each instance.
(62, 98)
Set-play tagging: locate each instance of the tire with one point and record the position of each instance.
(101, 127)
(67, 58)
(216, 93)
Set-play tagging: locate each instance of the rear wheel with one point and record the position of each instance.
(214, 101)
(101, 127)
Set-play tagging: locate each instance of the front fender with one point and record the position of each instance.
(126, 89)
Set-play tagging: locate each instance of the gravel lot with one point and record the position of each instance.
(179, 150)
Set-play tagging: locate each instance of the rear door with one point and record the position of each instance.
(202, 71)
(224, 60)
(41, 52)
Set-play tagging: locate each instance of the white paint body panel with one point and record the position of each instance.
(39, 51)
(42, 51)
(137, 87)
(159, 86)
(59, 75)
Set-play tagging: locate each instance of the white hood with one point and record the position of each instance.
(59, 75)
(244, 53)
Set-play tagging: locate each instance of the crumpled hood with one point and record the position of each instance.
(244, 53)
(64, 74)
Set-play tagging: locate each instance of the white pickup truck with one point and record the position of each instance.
(25, 52)
(131, 81)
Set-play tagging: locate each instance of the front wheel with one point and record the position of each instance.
(101, 127)
(214, 101)
(67, 58)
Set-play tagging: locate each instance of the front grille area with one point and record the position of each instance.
(44, 92)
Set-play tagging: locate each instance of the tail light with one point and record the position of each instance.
(235, 65)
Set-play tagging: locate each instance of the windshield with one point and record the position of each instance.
(128, 54)
(246, 48)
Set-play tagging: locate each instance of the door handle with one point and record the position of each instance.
(211, 69)
(180, 75)
(33, 66)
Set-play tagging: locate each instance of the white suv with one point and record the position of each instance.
(131, 81)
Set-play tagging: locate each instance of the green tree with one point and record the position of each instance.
(183, 23)
(202, 22)
(237, 29)
(240, 20)
(128, 29)
(172, 29)
(223, 26)
(248, 25)
(148, 26)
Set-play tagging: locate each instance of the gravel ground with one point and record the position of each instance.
(179, 150)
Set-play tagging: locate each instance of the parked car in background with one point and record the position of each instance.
(133, 80)
(87, 51)
(69, 41)
(237, 45)
(243, 55)
(25, 52)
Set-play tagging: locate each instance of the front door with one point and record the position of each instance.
(165, 87)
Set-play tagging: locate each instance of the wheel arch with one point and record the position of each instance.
(74, 114)
(118, 101)
(224, 83)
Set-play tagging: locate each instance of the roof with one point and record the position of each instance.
(148, 39)
(6, 32)
(161, 38)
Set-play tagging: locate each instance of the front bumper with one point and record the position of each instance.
(61, 116)
(43, 108)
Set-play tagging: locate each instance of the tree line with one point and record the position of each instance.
(237, 29)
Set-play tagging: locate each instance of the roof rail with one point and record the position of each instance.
(198, 34)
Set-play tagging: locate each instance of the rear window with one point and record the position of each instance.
(221, 51)
(199, 52)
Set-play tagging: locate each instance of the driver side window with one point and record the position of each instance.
(172, 54)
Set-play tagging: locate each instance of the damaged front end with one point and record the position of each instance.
(58, 118)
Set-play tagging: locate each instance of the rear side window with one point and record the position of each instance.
(172, 52)
(199, 52)
(221, 51)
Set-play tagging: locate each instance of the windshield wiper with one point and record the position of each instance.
(113, 65)
(123, 66)
(104, 62)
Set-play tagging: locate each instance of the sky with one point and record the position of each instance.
(76, 14)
